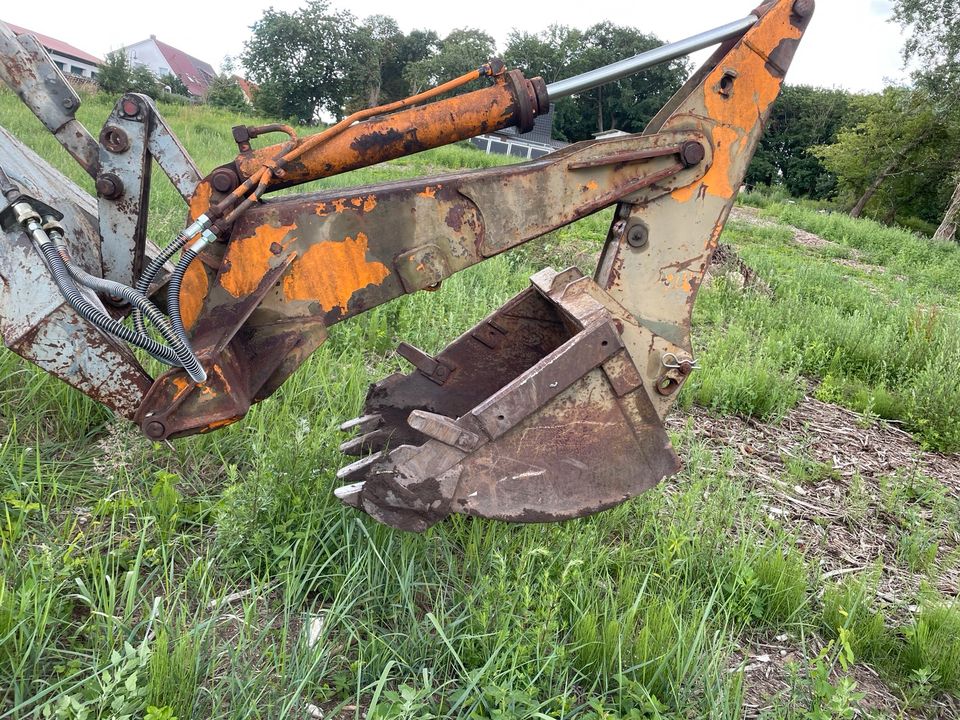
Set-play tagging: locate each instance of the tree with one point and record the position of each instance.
(118, 76)
(114, 74)
(461, 51)
(934, 39)
(802, 118)
(549, 54)
(301, 60)
(224, 92)
(378, 39)
(627, 104)
(893, 159)
(414, 47)
(175, 84)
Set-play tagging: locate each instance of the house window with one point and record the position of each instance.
(59, 64)
(93, 75)
(76, 70)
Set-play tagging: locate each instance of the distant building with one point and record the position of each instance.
(607, 134)
(70, 60)
(529, 146)
(246, 87)
(161, 59)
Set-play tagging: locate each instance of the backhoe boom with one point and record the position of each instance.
(551, 408)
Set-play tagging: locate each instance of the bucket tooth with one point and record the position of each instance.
(570, 430)
(370, 442)
(365, 424)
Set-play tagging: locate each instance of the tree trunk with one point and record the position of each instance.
(874, 187)
(599, 110)
(889, 170)
(373, 95)
(948, 228)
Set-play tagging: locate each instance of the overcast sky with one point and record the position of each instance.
(850, 44)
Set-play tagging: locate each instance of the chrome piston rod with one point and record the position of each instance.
(665, 53)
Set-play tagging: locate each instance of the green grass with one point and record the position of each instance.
(184, 577)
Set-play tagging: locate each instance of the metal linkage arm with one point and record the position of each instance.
(28, 70)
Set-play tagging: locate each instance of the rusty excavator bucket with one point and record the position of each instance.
(537, 414)
(549, 409)
(552, 408)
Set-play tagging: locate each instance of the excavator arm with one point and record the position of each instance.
(551, 408)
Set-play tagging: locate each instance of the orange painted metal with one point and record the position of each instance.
(402, 133)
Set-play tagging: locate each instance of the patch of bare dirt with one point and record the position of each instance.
(827, 474)
(751, 216)
(768, 667)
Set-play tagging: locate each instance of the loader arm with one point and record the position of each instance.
(552, 407)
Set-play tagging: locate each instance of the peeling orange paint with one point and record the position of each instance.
(248, 259)
(369, 203)
(200, 202)
(217, 424)
(592, 185)
(428, 192)
(331, 272)
(754, 91)
(193, 291)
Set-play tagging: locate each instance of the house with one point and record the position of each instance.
(529, 146)
(607, 134)
(160, 59)
(246, 87)
(70, 60)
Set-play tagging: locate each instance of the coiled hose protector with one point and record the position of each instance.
(86, 310)
(186, 359)
(153, 269)
(173, 294)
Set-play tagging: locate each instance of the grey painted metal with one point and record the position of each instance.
(28, 70)
(35, 321)
(123, 218)
(171, 156)
(666, 53)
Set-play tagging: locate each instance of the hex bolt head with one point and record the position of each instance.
(692, 153)
(114, 139)
(224, 180)
(68, 103)
(638, 236)
(109, 186)
(155, 430)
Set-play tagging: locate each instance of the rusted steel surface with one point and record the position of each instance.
(729, 101)
(171, 156)
(573, 434)
(35, 321)
(345, 255)
(123, 187)
(507, 103)
(480, 362)
(27, 70)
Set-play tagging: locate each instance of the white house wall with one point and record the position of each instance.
(72, 66)
(147, 53)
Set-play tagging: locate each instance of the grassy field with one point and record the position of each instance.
(218, 577)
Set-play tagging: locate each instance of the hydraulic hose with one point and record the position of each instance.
(173, 294)
(186, 359)
(176, 281)
(86, 310)
(153, 269)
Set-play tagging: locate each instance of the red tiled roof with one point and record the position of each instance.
(195, 74)
(57, 46)
(246, 87)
